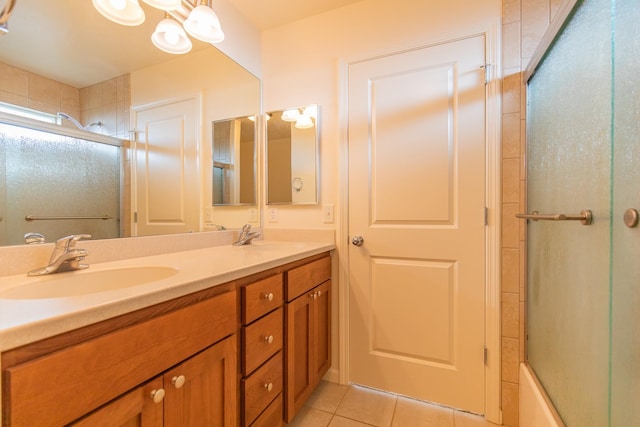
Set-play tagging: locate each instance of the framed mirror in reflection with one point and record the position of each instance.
(108, 72)
(234, 162)
(292, 156)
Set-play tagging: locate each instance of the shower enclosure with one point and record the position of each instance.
(583, 198)
(57, 185)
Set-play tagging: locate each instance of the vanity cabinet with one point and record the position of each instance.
(114, 370)
(261, 352)
(307, 331)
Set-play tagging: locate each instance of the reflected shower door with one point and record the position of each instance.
(569, 152)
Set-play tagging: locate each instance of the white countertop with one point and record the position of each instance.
(23, 321)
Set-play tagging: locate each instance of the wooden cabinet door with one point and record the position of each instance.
(298, 341)
(202, 391)
(135, 409)
(321, 356)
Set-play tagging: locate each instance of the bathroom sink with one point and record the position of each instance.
(70, 284)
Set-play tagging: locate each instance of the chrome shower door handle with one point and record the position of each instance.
(357, 241)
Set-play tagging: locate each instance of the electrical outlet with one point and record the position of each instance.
(253, 215)
(208, 214)
(273, 214)
(327, 214)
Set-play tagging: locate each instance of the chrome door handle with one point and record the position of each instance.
(357, 241)
(631, 218)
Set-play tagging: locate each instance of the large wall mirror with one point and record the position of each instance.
(82, 50)
(234, 162)
(292, 156)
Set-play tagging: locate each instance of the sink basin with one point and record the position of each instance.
(70, 284)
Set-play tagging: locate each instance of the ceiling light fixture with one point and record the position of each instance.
(200, 21)
(123, 12)
(203, 24)
(170, 37)
(164, 4)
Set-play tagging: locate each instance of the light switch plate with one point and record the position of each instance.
(273, 214)
(327, 214)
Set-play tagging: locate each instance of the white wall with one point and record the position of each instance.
(300, 66)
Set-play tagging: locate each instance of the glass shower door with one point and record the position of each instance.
(625, 251)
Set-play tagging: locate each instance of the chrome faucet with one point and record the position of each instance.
(246, 236)
(65, 256)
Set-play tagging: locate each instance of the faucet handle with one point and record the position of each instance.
(69, 242)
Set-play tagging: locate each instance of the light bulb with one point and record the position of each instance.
(118, 4)
(172, 37)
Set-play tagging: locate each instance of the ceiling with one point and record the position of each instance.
(69, 41)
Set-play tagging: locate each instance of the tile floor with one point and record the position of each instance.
(334, 405)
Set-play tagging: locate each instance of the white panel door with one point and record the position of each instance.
(416, 197)
(167, 176)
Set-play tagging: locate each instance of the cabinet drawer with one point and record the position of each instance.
(306, 277)
(272, 416)
(261, 297)
(261, 340)
(261, 388)
(87, 375)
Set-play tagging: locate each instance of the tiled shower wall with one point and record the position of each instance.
(524, 22)
(108, 102)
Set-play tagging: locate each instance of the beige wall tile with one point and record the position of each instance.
(511, 180)
(109, 91)
(70, 100)
(43, 90)
(509, 404)
(535, 20)
(523, 335)
(12, 98)
(510, 359)
(511, 45)
(510, 11)
(510, 315)
(511, 135)
(14, 80)
(511, 92)
(44, 106)
(510, 270)
(510, 226)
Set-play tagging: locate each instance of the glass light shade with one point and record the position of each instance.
(203, 24)
(311, 111)
(123, 12)
(164, 4)
(290, 115)
(304, 122)
(170, 37)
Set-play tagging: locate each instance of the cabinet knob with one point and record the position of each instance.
(269, 339)
(268, 386)
(157, 395)
(313, 295)
(319, 293)
(269, 296)
(178, 381)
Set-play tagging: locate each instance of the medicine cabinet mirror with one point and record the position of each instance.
(292, 156)
(234, 162)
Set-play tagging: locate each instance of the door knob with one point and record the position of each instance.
(357, 241)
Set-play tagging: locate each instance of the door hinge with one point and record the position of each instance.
(135, 217)
(486, 216)
(486, 355)
(487, 73)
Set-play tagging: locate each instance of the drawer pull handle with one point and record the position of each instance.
(268, 386)
(268, 339)
(178, 381)
(269, 296)
(157, 395)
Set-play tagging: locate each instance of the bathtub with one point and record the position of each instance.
(536, 410)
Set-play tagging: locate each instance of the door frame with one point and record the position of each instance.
(493, 189)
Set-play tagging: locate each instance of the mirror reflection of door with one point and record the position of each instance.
(234, 171)
(292, 156)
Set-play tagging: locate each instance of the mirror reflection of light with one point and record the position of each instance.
(304, 122)
(290, 115)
